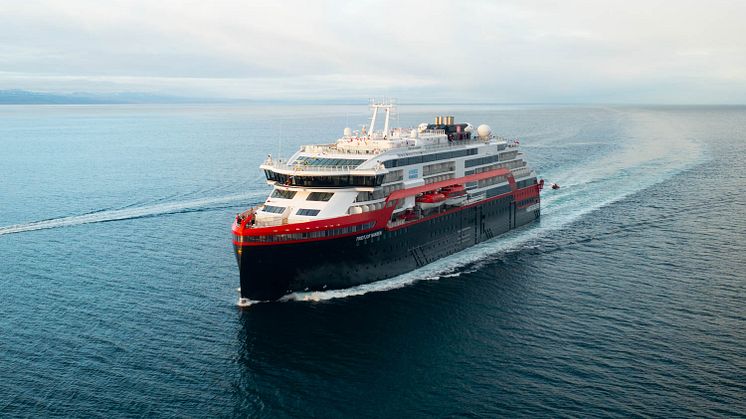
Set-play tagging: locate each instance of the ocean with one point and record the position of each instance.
(118, 281)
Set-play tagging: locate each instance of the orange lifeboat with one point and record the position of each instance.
(431, 200)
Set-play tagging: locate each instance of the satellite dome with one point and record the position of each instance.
(348, 132)
(413, 133)
(484, 131)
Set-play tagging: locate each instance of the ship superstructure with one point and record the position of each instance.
(380, 202)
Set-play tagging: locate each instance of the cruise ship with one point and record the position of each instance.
(380, 202)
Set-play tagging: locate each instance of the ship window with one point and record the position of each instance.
(320, 196)
(436, 168)
(430, 157)
(325, 181)
(325, 162)
(393, 176)
(273, 209)
(307, 212)
(481, 161)
(280, 193)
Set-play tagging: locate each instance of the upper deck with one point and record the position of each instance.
(365, 150)
(368, 158)
(359, 170)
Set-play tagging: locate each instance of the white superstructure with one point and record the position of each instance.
(357, 172)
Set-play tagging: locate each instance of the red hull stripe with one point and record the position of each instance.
(379, 217)
(308, 240)
(532, 188)
(404, 225)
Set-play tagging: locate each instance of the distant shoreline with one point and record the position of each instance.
(24, 97)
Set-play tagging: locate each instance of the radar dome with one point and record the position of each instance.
(348, 132)
(422, 127)
(484, 131)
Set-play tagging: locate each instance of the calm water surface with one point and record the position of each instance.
(117, 278)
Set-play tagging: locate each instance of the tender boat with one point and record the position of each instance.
(431, 200)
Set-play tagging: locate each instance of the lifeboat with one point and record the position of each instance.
(455, 194)
(431, 200)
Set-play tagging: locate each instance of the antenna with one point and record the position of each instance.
(279, 145)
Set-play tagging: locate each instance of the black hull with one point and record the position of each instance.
(270, 271)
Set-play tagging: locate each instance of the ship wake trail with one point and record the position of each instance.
(129, 213)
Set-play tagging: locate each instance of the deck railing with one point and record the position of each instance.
(311, 168)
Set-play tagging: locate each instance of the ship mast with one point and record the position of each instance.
(388, 107)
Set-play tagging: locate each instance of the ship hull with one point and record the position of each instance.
(268, 272)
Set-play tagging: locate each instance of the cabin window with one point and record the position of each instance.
(320, 196)
(482, 160)
(435, 168)
(430, 157)
(393, 176)
(370, 196)
(281, 193)
(307, 212)
(273, 209)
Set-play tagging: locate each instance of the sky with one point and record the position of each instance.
(570, 51)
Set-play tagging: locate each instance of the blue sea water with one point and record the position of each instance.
(117, 278)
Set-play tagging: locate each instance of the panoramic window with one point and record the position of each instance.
(308, 212)
(280, 193)
(327, 162)
(324, 181)
(273, 209)
(320, 196)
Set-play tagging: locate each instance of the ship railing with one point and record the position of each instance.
(312, 168)
(270, 221)
(363, 150)
(377, 149)
(522, 172)
(450, 146)
(397, 222)
(356, 149)
(476, 197)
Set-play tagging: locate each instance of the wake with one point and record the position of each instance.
(129, 213)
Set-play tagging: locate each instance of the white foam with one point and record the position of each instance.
(125, 213)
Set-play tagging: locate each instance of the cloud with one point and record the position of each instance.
(513, 51)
